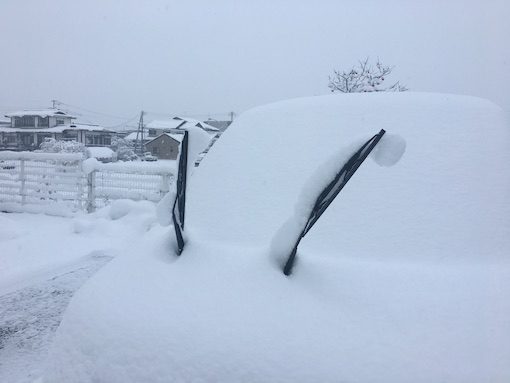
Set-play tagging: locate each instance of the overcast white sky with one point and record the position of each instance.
(206, 57)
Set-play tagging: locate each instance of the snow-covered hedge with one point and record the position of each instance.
(51, 145)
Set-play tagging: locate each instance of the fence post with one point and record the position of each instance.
(91, 192)
(80, 191)
(165, 184)
(22, 177)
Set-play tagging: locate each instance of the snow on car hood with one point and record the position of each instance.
(445, 197)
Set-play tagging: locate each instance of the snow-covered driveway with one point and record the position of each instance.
(30, 316)
(43, 261)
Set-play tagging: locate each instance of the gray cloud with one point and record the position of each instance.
(215, 56)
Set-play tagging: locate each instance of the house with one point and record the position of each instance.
(45, 118)
(165, 146)
(173, 125)
(29, 128)
(157, 127)
(4, 123)
(133, 136)
(221, 125)
(160, 136)
(89, 134)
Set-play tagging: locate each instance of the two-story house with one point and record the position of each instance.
(29, 128)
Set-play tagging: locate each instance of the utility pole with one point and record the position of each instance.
(54, 102)
(231, 116)
(139, 136)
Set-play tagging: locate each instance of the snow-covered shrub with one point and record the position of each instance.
(51, 145)
(125, 149)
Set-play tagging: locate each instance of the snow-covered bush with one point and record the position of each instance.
(363, 77)
(51, 145)
(125, 149)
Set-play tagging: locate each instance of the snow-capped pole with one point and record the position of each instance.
(330, 192)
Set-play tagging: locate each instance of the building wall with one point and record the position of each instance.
(53, 120)
(163, 147)
(20, 140)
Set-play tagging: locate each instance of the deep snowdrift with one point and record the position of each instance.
(404, 278)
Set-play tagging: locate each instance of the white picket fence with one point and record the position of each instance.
(62, 183)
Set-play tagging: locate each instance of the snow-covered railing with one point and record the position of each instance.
(132, 180)
(29, 181)
(59, 183)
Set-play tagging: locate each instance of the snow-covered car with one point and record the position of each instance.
(149, 157)
(405, 277)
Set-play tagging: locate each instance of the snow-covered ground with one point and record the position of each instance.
(406, 277)
(35, 246)
(30, 316)
(43, 261)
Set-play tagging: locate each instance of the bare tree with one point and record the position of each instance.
(363, 77)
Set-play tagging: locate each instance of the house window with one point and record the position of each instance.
(24, 121)
(154, 150)
(89, 140)
(43, 121)
(11, 139)
(41, 138)
(60, 121)
(70, 135)
(107, 140)
(27, 139)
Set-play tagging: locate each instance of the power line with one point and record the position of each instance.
(184, 113)
(92, 111)
(191, 114)
(123, 123)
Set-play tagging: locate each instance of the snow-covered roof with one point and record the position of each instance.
(180, 123)
(100, 152)
(132, 136)
(221, 125)
(177, 137)
(40, 112)
(200, 124)
(90, 127)
(56, 129)
(164, 124)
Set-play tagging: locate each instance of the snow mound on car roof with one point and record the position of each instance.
(446, 197)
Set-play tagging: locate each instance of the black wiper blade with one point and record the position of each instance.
(178, 210)
(330, 192)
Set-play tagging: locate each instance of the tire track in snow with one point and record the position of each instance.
(30, 316)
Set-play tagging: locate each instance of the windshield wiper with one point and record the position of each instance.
(329, 193)
(179, 207)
